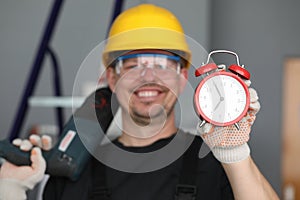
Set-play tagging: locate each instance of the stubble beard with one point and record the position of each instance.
(159, 117)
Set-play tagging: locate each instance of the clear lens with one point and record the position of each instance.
(135, 65)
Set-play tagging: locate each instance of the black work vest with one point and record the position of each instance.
(211, 181)
(186, 189)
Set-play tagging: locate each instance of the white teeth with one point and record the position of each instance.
(147, 93)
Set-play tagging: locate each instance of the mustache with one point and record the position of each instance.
(161, 87)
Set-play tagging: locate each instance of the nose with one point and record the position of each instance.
(148, 74)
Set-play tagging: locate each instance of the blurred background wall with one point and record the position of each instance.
(263, 33)
(81, 27)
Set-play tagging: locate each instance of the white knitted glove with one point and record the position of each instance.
(228, 144)
(16, 180)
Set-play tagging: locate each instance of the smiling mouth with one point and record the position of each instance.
(148, 93)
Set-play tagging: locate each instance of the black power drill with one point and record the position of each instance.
(82, 133)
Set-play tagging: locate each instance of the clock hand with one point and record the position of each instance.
(217, 105)
(221, 99)
(217, 89)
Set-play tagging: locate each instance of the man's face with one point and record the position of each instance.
(147, 84)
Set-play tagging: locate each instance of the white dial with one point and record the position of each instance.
(222, 99)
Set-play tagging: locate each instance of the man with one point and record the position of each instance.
(147, 60)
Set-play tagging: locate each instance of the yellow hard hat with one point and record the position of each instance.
(146, 26)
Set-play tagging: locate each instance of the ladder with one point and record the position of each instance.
(43, 50)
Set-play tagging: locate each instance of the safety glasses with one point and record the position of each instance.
(163, 66)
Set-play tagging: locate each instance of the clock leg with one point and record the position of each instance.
(202, 123)
(237, 126)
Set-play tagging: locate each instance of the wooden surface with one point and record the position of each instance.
(291, 129)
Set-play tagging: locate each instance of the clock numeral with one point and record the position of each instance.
(229, 116)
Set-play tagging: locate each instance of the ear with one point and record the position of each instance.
(183, 78)
(111, 78)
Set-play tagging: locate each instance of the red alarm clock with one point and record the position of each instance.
(222, 97)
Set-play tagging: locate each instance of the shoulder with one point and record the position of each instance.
(62, 188)
(206, 160)
(194, 140)
(211, 178)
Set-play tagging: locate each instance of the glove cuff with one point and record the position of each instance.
(11, 189)
(231, 154)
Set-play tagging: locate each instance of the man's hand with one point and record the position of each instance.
(229, 144)
(16, 180)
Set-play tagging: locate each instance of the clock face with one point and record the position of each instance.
(222, 98)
